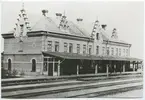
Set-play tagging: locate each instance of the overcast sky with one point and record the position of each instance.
(126, 17)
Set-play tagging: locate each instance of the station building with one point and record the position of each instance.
(62, 47)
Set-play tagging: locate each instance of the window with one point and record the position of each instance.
(33, 65)
(112, 51)
(90, 49)
(119, 51)
(107, 50)
(49, 48)
(97, 36)
(97, 50)
(126, 52)
(78, 48)
(22, 28)
(84, 49)
(56, 46)
(116, 51)
(103, 50)
(70, 48)
(9, 64)
(65, 47)
(45, 64)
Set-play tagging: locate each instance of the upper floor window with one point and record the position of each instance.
(103, 50)
(112, 51)
(119, 51)
(107, 50)
(65, 47)
(97, 36)
(49, 48)
(97, 50)
(70, 48)
(57, 46)
(126, 52)
(84, 49)
(90, 49)
(116, 51)
(78, 48)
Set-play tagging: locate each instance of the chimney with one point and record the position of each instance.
(114, 30)
(79, 19)
(44, 12)
(104, 27)
(58, 14)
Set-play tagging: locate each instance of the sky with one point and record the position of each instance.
(126, 16)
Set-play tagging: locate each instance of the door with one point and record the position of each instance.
(50, 69)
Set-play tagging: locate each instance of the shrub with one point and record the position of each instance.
(14, 72)
(22, 73)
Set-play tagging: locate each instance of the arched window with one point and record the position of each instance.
(9, 64)
(33, 65)
(97, 36)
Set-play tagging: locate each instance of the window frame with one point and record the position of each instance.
(56, 46)
(70, 49)
(97, 50)
(90, 49)
(119, 51)
(112, 51)
(84, 49)
(65, 47)
(78, 48)
(49, 45)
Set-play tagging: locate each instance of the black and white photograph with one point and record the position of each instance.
(72, 49)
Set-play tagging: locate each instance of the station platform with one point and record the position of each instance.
(42, 77)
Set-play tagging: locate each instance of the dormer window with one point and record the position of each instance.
(97, 36)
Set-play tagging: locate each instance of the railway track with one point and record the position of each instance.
(63, 89)
(60, 83)
(109, 92)
(81, 87)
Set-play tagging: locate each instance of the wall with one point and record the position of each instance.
(24, 62)
(30, 44)
(61, 44)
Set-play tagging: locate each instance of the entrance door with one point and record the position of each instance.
(50, 69)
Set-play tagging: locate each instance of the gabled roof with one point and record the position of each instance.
(46, 24)
(106, 37)
(77, 30)
(50, 25)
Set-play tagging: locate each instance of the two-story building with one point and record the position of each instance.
(60, 47)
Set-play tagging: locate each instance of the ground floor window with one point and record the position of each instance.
(45, 64)
(33, 65)
(9, 64)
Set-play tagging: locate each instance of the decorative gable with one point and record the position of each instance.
(22, 25)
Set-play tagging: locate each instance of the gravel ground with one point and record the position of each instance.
(129, 94)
